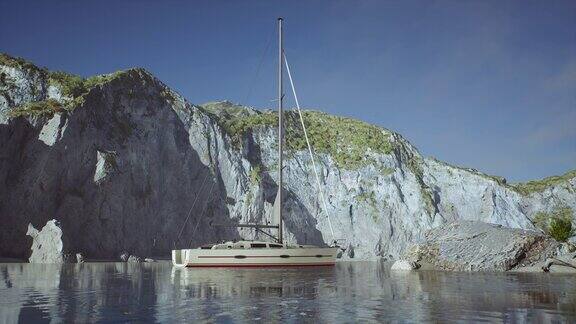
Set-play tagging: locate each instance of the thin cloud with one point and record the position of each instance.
(560, 129)
(565, 78)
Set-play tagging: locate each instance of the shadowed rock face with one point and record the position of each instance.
(120, 175)
(121, 170)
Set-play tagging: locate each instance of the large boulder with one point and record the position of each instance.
(404, 265)
(47, 244)
(478, 246)
(563, 263)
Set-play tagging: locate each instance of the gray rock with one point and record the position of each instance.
(47, 244)
(79, 258)
(124, 257)
(566, 262)
(565, 248)
(134, 259)
(105, 166)
(350, 251)
(404, 265)
(477, 246)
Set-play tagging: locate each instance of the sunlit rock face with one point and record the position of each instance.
(126, 164)
(47, 243)
(479, 246)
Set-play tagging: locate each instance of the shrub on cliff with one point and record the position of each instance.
(38, 108)
(561, 229)
(557, 223)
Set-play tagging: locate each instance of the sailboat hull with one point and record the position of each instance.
(268, 257)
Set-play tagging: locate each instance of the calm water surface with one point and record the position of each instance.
(350, 291)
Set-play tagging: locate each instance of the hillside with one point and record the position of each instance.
(119, 159)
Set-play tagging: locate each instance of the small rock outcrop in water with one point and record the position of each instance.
(127, 257)
(477, 246)
(404, 265)
(79, 258)
(47, 244)
(124, 256)
(134, 259)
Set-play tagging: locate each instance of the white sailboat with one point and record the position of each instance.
(260, 253)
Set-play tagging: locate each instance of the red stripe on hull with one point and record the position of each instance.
(259, 256)
(257, 265)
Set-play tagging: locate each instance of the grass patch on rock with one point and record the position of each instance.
(535, 186)
(74, 86)
(385, 171)
(557, 223)
(256, 175)
(414, 163)
(38, 108)
(500, 180)
(369, 197)
(227, 110)
(346, 140)
(19, 63)
(70, 85)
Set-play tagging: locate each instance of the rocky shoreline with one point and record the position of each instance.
(457, 246)
(477, 246)
(49, 246)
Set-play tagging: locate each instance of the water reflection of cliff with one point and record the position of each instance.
(349, 291)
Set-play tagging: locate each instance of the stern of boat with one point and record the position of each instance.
(178, 258)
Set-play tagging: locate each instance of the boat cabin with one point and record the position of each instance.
(242, 245)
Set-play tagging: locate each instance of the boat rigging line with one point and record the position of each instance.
(309, 147)
(201, 214)
(258, 67)
(190, 211)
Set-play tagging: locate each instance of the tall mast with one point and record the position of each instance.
(280, 130)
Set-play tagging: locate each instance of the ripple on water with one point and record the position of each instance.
(350, 291)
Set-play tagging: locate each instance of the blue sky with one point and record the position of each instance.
(483, 84)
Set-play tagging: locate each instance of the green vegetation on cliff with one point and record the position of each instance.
(73, 86)
(530, 187)
(226, 109)
(38, 108)
(19, 63)
(70, 85)
(524, 188)
(414, 163)
(347, 140)
(500, 180)
(256, 175)
(557, 223)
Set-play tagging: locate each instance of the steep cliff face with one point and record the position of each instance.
(123, 162)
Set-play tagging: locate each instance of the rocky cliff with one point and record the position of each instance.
(123, 162)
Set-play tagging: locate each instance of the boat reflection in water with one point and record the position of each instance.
(349, 291)
(231, 283)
